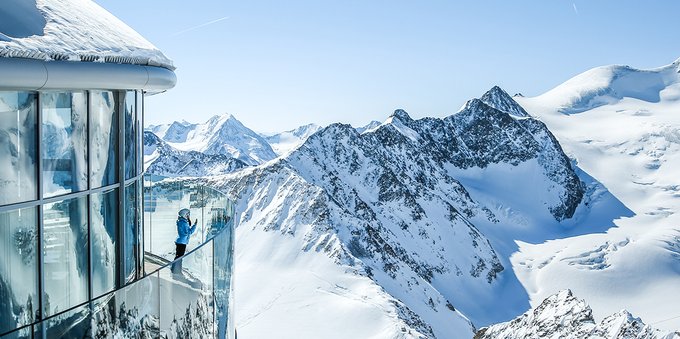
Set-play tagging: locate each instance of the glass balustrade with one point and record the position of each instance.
(194, 300)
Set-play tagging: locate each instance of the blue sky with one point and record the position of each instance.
(276, 65)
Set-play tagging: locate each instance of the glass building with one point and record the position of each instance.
(78, 219)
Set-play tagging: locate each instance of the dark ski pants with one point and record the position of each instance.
(179, 251)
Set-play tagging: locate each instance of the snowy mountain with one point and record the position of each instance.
(609, 86)
(178, 132)
(621, 125)
(434, 227)
(284, 142)
(563, 316)
(386, 223)
(162, 159)
(220, 135)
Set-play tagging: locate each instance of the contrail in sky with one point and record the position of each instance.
(575, 9)
(200, 26)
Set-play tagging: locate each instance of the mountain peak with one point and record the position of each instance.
(676, 64)
(562, 315)
(499, 99)
(401, 115)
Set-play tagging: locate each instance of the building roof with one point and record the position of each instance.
(72, 30)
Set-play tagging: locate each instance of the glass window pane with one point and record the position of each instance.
(64, 142)
(103, 236)
(65, 255)
(18, 268)
(103, 138)
(18, 148)
(130, 230)
(130, 135)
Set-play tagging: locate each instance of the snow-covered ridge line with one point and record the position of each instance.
(219, 135)
(563, 316)
(607, 85)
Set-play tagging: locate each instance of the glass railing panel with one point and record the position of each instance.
(163, 198)
(201, 282)
(186, 296)
(162, 202)
(191, 297)
(23, 333)
(131, 312)
(223, 282)
(75, 323)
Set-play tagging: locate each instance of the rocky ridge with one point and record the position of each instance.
(563, 316)
(165, 160)
(385, 203)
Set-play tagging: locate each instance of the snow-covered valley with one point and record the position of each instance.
(439, 227)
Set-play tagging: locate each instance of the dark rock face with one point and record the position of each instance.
(500, 100)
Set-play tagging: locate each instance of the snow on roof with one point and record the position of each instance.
(72, 30)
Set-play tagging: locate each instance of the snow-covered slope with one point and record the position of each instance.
(384, 210)
(220, 135)
(563, 316)
(622, 126)
(371, 125)
(284, 142)
(73, 30)
(609, 85)
(162, 159)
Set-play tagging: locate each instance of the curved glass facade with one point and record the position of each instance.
(72, 260)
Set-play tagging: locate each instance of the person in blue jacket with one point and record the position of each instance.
(184, 231)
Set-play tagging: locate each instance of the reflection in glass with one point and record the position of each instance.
(18, 268)
(223, 269)
(103, 230)
(130, 230)
(186, 298)
(65, 258)
(103, 138)
(24, 333)
(18, 149)
(130, 135)
(72, 324)
(64, 142)
(131, 312)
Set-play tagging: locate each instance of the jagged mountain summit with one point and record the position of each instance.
(162, 159)
(220, 135)
(497, 98)
(563, 316)
(387, 208)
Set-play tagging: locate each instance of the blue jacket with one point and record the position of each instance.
(184, 231)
